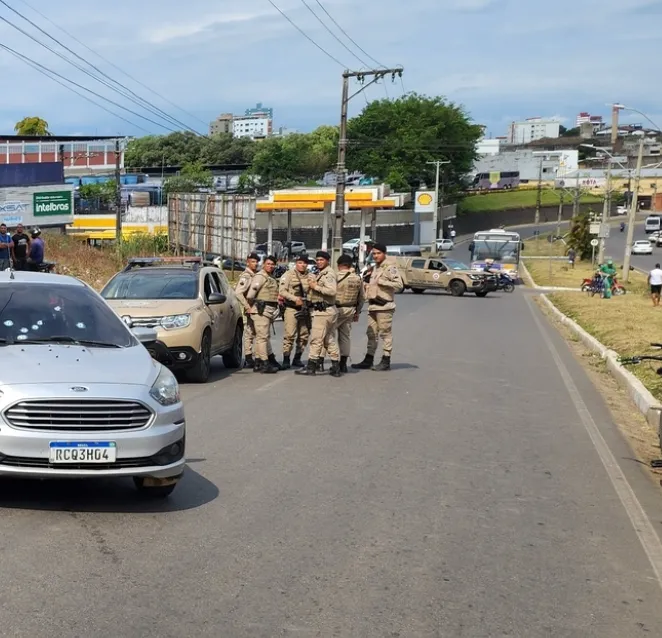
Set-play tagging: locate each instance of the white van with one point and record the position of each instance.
(653, 223)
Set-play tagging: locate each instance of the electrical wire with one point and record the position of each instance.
(124, 91)
(28, 60)
(347, 35)
(326, 26)
(109, 62)
(305, 35)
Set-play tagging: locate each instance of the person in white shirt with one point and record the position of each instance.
(655, 281)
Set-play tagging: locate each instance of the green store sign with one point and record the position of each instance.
(53, 203)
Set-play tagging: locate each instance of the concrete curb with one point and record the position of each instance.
(646, 403)
(534, 285)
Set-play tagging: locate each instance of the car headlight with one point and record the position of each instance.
(475, 277)
(165, 389)
(172, 322)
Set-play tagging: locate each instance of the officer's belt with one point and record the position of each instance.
(345, 305)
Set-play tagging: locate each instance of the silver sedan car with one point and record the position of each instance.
(80, 396)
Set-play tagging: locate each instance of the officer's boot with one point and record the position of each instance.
(320, 364)
(258, 364)
(343, 365)
(366, 364)
(286, 365)
(273, 363)
(271, 366)
(296, 362)
(309, 370)
(384, 364)
(335, 369)
(249, 362)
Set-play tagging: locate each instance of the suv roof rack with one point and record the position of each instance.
(141, 262)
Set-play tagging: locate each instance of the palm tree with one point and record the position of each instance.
(32, 126)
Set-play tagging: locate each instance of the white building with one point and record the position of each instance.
(254, 126)
(535, 128)
(554, 166)
(487, 146)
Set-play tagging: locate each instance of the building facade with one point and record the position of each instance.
(528, 165)
(222, 124)
(253, 126)
(535, 128)
(259, 109)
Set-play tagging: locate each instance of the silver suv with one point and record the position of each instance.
(80, 396)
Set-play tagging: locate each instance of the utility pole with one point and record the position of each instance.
(341, 170)
(606, 210)
(118, 196)
(539, 196)
(560, 216)
(614, 125)
(633, 213)
(435, 218)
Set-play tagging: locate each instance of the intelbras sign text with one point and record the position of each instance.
(52, 203)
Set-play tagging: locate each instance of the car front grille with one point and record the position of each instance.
(79, 415)
(145, 322)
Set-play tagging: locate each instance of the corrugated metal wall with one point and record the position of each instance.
(211, 223)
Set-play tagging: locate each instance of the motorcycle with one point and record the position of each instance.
(505, 282)
(595, 286)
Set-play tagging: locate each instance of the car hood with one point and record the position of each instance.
(49, 363)
(153, 307)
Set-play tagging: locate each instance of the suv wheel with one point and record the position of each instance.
(457, 288)
(233, 358)
(418, 291)
(156, 491)
(482, 293)
(199, 373)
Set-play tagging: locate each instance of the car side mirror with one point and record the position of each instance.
(145, 335)
(216, 298)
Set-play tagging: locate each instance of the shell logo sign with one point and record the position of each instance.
(424, 202)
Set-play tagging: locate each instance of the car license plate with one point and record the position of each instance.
(83, 452)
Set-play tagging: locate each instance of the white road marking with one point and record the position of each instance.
(644, 529)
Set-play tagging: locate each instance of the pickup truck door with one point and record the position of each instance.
(437, 274)
(415, 273)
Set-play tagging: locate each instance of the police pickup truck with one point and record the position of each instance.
(419, 274)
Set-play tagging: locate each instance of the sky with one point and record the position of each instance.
(502, 60)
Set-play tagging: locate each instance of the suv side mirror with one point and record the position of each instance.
(216, 298)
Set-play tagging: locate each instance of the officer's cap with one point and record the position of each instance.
(380, 247)
(323, 254)
(302, 257)
(254, 256)
(344, 260)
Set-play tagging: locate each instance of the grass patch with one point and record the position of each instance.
(523, 198)
(540, 247)
(625, 324)
(95, 266)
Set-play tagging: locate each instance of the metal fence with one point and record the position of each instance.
(212, 224)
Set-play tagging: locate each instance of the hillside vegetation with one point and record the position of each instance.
(513, 199)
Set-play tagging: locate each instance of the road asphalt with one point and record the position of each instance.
(478, 489)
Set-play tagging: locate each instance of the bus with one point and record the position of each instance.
(501, 245)
(496, 180)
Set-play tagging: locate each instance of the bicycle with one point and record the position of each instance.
(637, 359)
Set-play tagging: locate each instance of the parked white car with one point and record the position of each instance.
(642, 247)
(444, 244)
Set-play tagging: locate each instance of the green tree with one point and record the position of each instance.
(104, 193)
(580, 236)
(32, 126)
(193, 177)
(394, 139)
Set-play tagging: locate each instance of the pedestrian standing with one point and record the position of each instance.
(294, 290)
(242, 287)
(572, 256)
(384, 282)
(263, 299)
(21, 248)
(350, 298)
(322, 297)
(453, 233)
(655, 282)
(6, 246)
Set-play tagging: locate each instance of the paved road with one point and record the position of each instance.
(462, 494)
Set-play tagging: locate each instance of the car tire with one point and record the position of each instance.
(234, 358)
(418, 291)
(157, 491)
(457, 288)
(482, 293)
(199, 373)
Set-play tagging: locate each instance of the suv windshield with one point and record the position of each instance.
(155, 284)
(57, 313)
(456, 265)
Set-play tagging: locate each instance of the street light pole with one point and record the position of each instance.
(605, 212)
(435, 217)
(632, 213)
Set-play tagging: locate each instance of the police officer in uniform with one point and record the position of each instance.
(294, 290)
(384, 282)
(349, 301)
(242, 287)
(322, 295)
(262, 297)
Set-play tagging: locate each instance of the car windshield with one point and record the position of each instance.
(36, 313)
(505, 252)
(152, 285)
(453, 264)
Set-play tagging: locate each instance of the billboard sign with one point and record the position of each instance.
(425, 202)
(53, 203)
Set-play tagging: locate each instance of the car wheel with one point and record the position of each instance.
(457, 288)
(200, 372)
(153, 491)
(482, 294)
(418, 291)
(234, 358)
